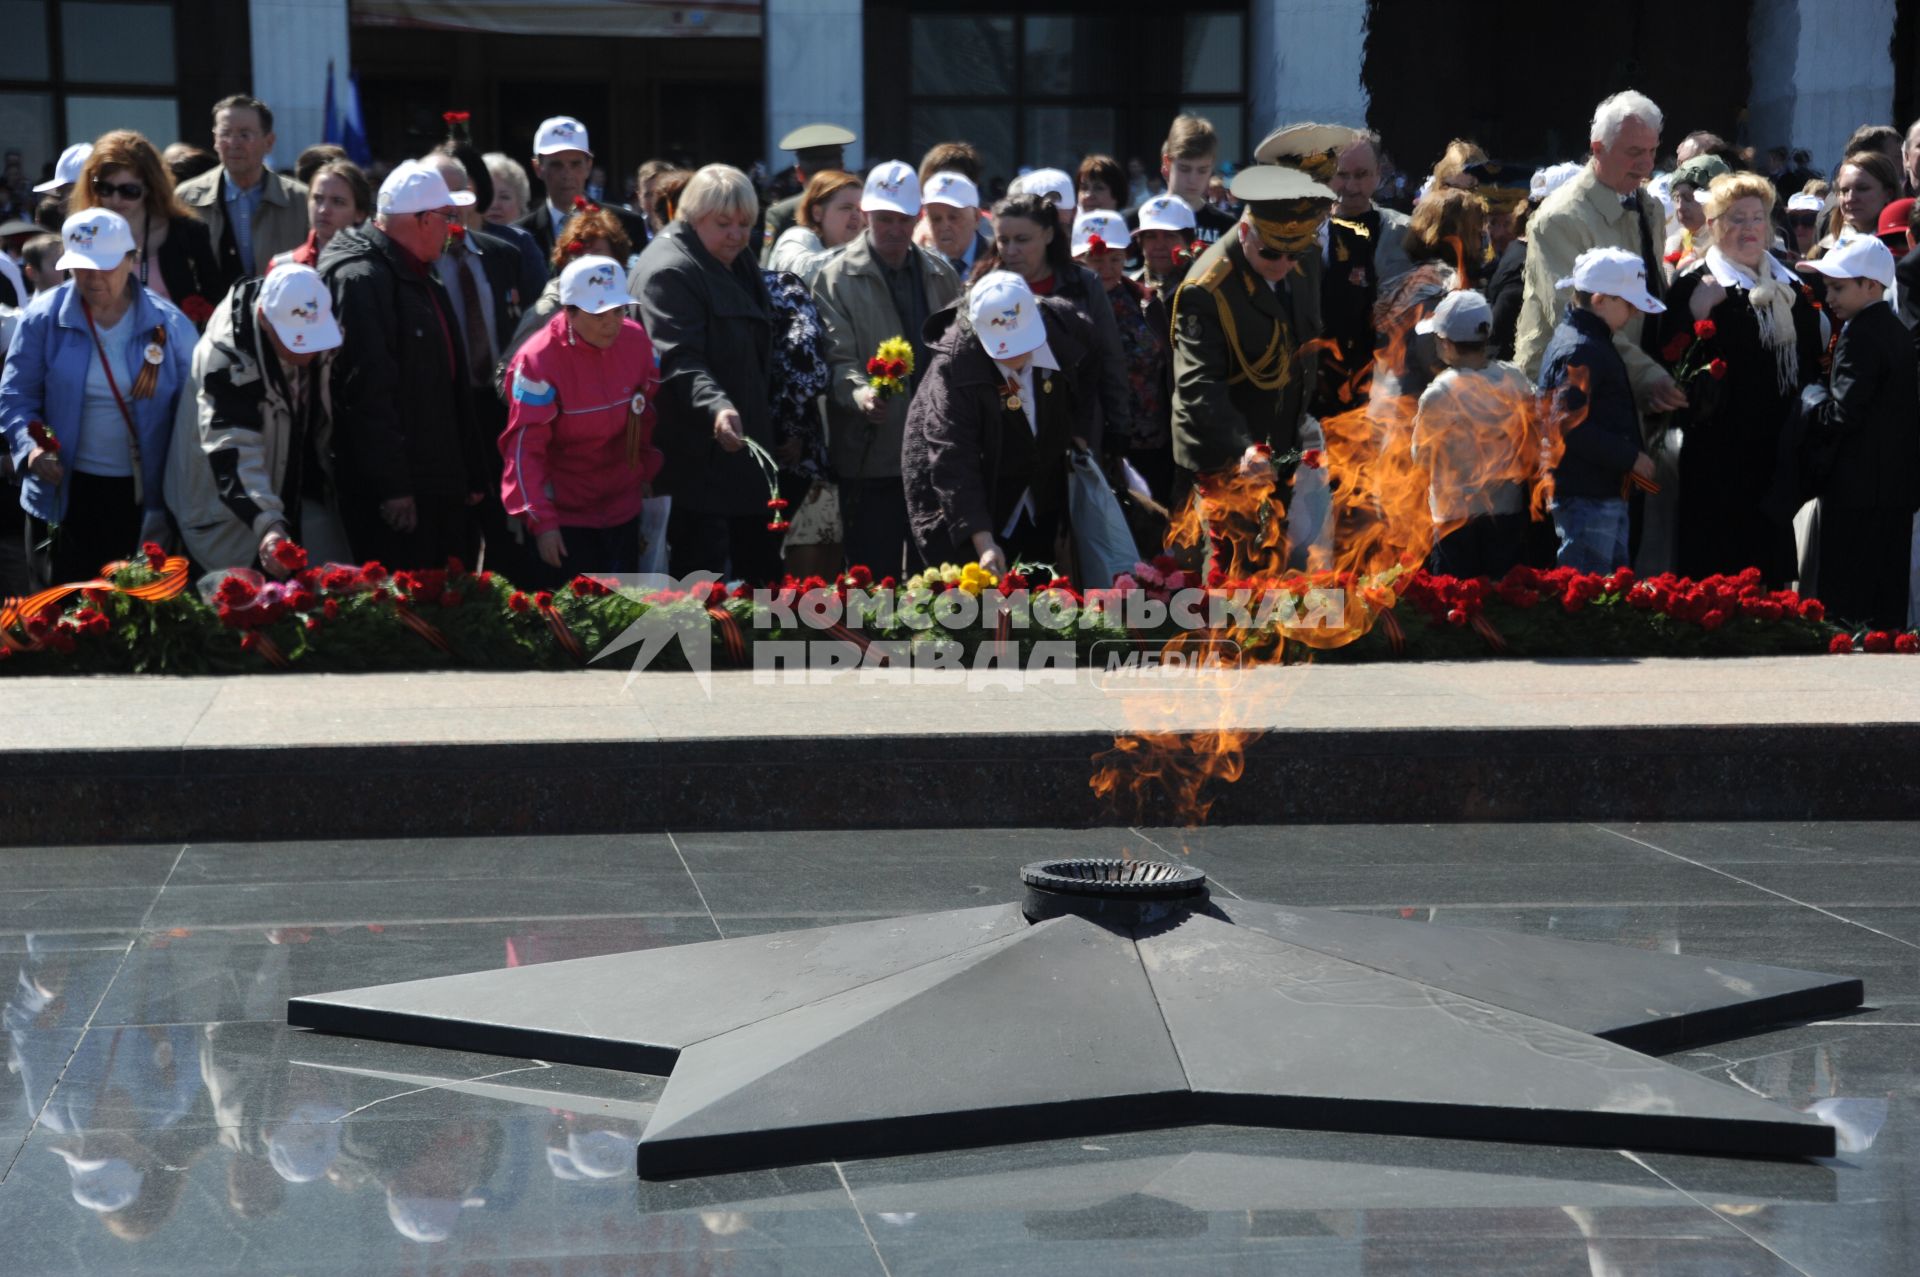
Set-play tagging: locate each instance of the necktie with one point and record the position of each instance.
(959, 266)
(1649, 258)
(474, 326)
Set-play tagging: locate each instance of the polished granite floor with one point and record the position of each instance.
(159, 1116)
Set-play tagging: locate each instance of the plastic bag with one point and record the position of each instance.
(1100, 534)
(653, 534)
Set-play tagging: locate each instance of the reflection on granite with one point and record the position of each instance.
(158, 1116)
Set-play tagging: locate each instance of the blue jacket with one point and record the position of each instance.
(1604, 443)
(46, 380)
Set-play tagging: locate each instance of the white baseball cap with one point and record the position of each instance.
(1166, 213)
(1550, 179)
(1862, 257)
(414, 187)
(561, 133)
(66, 171)
(1460, 316)
(594, 284)
(1805, 202)
(1102, 224)
(892, 187)
(296, 304)
(1005, 315)
(1615, 272)
(1050, 181)
(95, 239)
(956, 190)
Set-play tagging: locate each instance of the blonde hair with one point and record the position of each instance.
(1730, 188)
(717, 188)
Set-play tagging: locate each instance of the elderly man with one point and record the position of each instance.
(881, 286)
(1602, 207)
(253, 214)
(952, 204)
(563, 161)
(408, 461)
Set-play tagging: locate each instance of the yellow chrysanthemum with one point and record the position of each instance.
(898, 348)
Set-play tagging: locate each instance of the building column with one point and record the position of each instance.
(293, 40)
(1821, 69)
(815, 59)
(1304, 61)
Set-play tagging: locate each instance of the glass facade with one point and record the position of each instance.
(71, 70)
(1048, 85)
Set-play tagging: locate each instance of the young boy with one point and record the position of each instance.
(1866, 427)
(1476, 431)
(1590, 405)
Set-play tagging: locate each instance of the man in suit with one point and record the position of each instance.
(252, 212)
(563, 160)
(481, 273)
(951, 203)
(816, 148)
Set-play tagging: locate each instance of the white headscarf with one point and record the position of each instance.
(1772, 302)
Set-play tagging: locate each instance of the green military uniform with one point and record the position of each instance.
(1238, 375)
(817, 147)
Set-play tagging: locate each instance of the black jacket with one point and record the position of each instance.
(1869, 427)
(1601, 423)
(500, 262)
(402, 420)
(1504, 293)
(190, 268)
(712, 331)
(1907, 275)
(537, 224)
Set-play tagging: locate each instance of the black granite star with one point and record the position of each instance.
(1076, 1013)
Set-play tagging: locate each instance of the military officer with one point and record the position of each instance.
(816, 148)
(1242, 319)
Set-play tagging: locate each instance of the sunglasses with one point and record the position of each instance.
(1274, 254)
(125, 190)
(1802, 219)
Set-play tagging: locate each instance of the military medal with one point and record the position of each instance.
(1046, 385)
(1010, 395)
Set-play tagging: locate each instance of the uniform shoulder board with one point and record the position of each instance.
(1214, 276)
(1357, 228)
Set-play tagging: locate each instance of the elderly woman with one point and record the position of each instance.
(1100, 243)
(1002, 399)
(704, 302)
(1767, 329)
(591, 232)
(1868, 182)
(175, 251)
(828, 219)
(578, 448)
(338, 197)
(1028, 241)
(88, 398)
(512, 190)
(1447, 230)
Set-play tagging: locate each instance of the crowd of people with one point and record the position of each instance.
(207, 352)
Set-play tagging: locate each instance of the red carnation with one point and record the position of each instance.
(543, 600)
(575, 248)
(289, 556)
(776, 503)
(1840, 643)
(1705, 329)
(313, 623)
(1095, 244)
(196, 308)
(1713, 620)
(1813, 610)
(373, 573)
(331, 609)
(876, 367)
(43, 437)
(1456, 617)
(1877, 641)
(1717, 369)
(234, 591)
(517, 602)
(156, 555)
(1904, 643)
(1674, 349)
(1313, 459)
(61, 641)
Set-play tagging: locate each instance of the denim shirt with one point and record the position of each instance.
(46, 379)
(1605, 442)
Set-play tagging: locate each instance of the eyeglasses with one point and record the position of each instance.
(1802, 219)
(125, 190)
(1274, 254)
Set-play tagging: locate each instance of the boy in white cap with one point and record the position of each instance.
(563, 161)
(1476, 431)
(1864, 431)
(1591, 407)
(251, 464)
(883, 285)
(410, 462)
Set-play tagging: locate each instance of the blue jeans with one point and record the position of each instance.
(1593, 532)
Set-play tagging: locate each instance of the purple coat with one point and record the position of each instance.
(951, 452)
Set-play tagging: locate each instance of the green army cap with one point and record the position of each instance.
(1285, 206)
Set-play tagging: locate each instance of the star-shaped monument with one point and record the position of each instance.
(1117, 995)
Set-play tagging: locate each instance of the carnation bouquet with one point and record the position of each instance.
(891, 365)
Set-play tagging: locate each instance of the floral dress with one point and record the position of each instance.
(798, 378)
